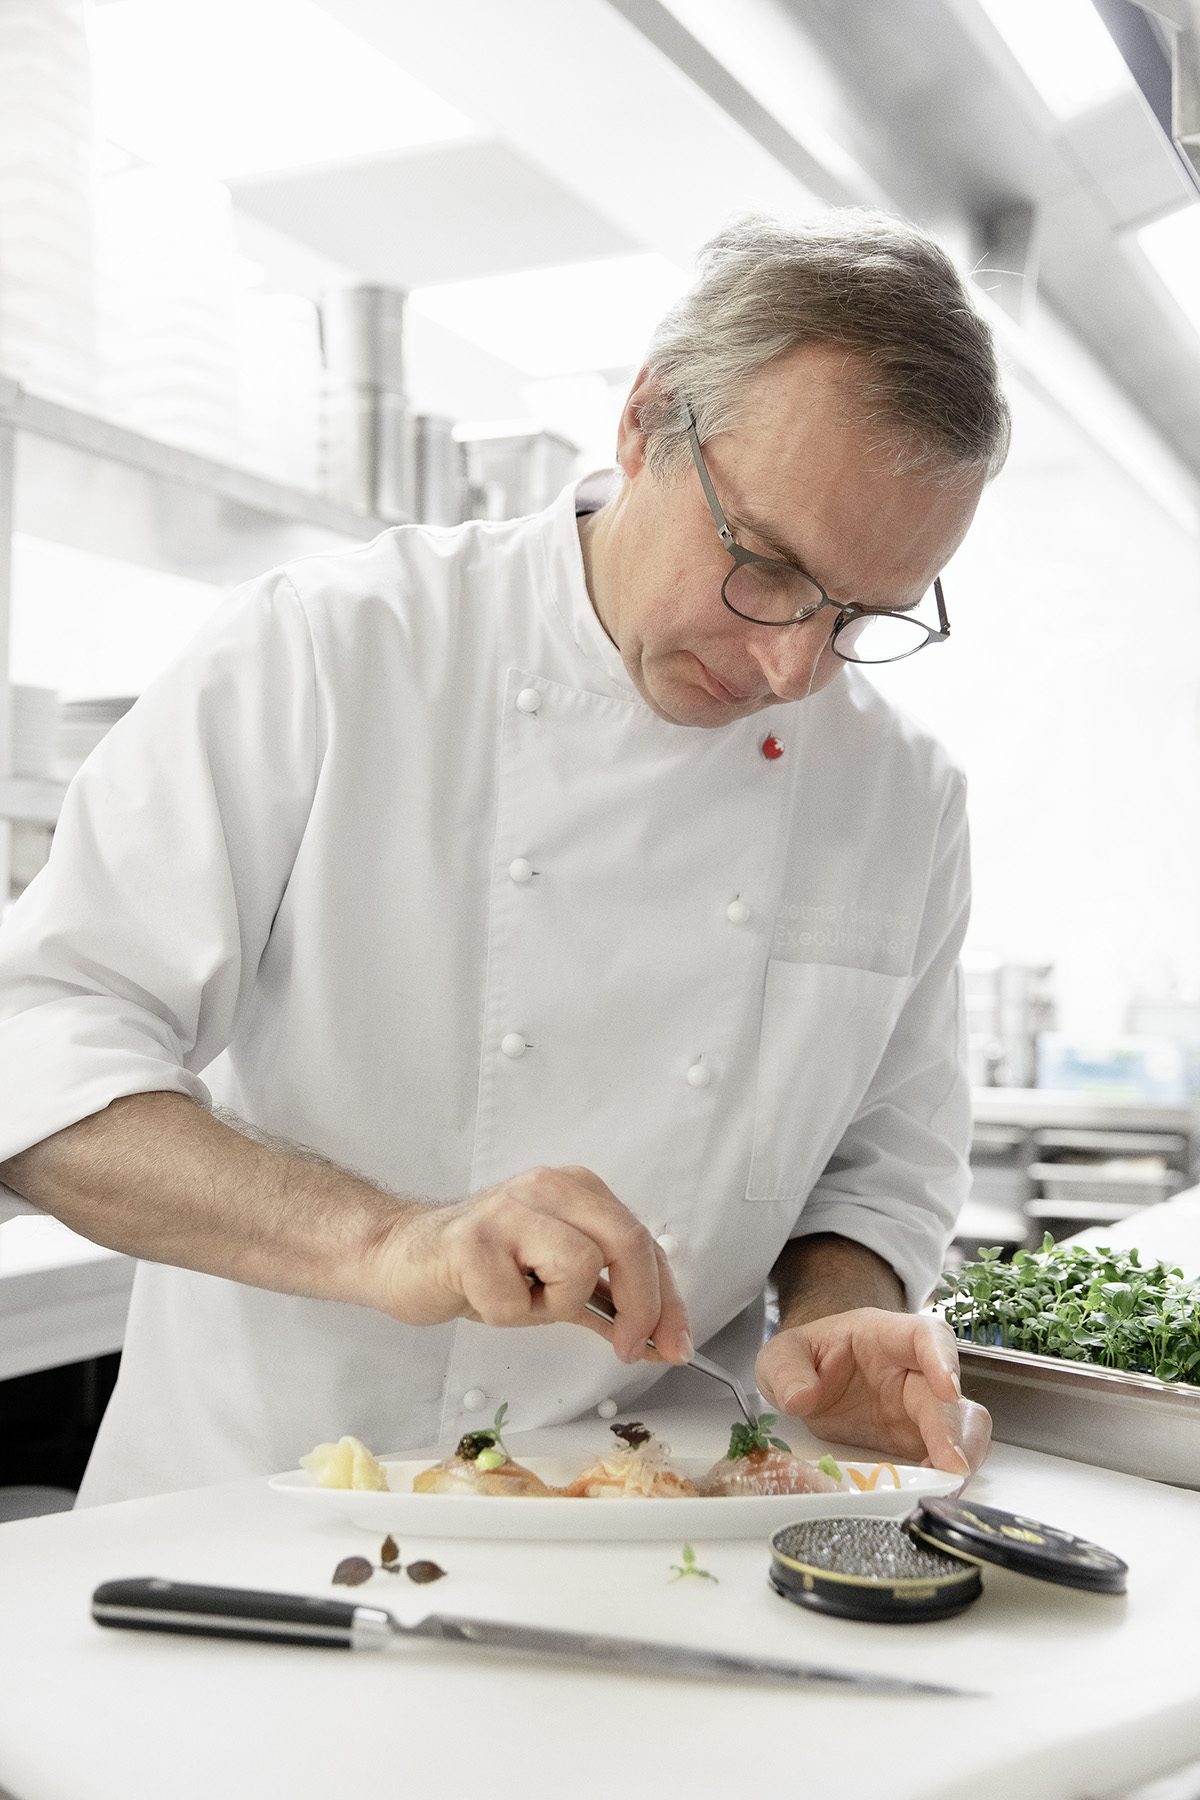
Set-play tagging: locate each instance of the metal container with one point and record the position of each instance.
(362, 336)
(1105, 1417)
(370, 437)
(512, 473)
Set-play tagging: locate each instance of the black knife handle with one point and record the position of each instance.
(150, 1603)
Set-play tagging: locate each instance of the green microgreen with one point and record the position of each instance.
(474, 1443)
(828, 1466)
(747, 1440)
(690, 1566)
(1089, 1305)
(352, 1571)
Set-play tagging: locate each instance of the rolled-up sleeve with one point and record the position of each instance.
(125, 964)
(900, 1175)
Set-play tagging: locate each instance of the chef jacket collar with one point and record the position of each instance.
(567, 580)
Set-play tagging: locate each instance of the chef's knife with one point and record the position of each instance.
(149, 1603)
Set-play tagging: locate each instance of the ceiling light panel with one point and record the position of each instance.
(558, 321)
(1064, 48)
(235, 88)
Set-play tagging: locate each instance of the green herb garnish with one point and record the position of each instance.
(690, 1566)
(1089, 1305)
(748, 1440)
(828, 1466)
(472, 1446)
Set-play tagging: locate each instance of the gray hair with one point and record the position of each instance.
(863, 281)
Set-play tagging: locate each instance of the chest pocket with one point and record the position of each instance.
(824, 1030)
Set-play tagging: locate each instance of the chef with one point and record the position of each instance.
(481, 909)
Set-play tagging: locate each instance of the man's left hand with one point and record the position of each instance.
(885, 1380)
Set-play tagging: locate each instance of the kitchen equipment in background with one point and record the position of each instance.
(1173, 1018)
(279, 388)
(1123, 1068)
(47, 255)
(1008, 1005)
(368, 449)
(437, 486)
(81, 725)
(171, 281)
(34, 732)
(511, 472)
(1086, 1177)
(1044, 1160)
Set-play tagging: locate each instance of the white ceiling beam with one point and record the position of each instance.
(581, 91)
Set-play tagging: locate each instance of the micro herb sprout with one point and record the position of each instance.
(352, 1571)
(690, 1566)
(1089, 1305)
(749, 1440)
(828, 1466)
(478, 1445)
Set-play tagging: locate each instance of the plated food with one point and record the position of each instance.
(639, 1469)
(482, 1491)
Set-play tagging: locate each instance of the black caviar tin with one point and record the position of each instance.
(987, 1534)
(871, 1569)
(927, 1565)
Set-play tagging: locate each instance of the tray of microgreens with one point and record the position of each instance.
(1079, 1304)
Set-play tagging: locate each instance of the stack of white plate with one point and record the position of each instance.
(279, 387)
(171, 281)
(35, 727)
(47, 273)
(81, 725)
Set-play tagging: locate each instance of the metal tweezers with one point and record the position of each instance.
(601, 1305)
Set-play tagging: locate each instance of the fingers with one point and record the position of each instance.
(786, 1372)
(937, 1356)
(564, 1226)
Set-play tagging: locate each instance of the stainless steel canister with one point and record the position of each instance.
(369, 459)
(511, 473)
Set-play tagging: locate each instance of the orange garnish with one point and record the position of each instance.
(867, 1482)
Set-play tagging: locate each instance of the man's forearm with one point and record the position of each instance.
(159, 1177)
(820, 1275)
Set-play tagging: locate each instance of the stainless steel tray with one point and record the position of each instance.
(1103, 1416)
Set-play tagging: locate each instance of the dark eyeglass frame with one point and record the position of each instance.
(846, 614)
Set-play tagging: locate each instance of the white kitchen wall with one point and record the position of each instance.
(1070, 691)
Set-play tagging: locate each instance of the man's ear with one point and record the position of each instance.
(631, 435)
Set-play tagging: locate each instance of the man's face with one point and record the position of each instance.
(798, 472)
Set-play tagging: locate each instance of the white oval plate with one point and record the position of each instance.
(510, 1516)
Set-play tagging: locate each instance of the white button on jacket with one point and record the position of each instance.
(251, 900)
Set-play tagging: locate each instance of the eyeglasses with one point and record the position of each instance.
(766, 590)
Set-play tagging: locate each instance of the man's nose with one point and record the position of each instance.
(795, 659)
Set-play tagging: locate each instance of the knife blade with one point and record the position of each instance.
(152, 1603)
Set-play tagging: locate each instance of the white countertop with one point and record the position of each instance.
(1086, 1694)
(63, 1299)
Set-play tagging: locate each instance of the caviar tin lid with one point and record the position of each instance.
(869, 1568)
(1011, 1541)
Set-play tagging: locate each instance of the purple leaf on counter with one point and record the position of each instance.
(352, 1571)
(424, 1571)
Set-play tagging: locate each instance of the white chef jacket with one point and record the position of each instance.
(396, 863)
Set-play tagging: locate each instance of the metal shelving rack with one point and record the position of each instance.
(76, 479)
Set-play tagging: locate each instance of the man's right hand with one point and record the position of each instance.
(472, 1258)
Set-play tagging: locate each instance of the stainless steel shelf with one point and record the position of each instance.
(22, 797)
(74, 479)
(1032, 1108)
(170, 464)
(86, 482)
